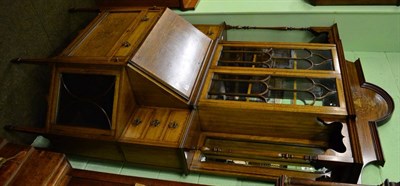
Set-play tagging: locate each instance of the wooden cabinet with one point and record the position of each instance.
(22, 165)
(118, 90)
(146, 87)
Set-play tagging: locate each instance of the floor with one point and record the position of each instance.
(32, 29)
(41, 28)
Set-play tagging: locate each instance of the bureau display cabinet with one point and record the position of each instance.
(118, 90)
(146, 87)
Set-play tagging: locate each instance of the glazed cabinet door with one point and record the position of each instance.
(286, 74)
(252, 88)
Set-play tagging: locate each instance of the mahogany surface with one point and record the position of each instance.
(175, 57)
(177, 105)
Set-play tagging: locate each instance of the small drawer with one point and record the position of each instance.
(175, 125)
(157, 124)
(137, 34)
(152, 125)
(137, 124)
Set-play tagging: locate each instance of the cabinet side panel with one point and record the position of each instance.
(150, 93)
(126, 104)
(263, 123)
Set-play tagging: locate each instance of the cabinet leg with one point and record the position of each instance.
(25, 129)
(32, 61)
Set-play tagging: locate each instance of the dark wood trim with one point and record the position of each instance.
(380, 158)
(344, 71)
(121, 179)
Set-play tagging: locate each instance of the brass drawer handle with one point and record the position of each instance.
(137, 121)
(155, 123)
(210, 32)
(173, 125)
(145, 18)
(126, 44)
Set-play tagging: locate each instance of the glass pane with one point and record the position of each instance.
(261, 154)
(274, 89)
(86, 100)
(258, 57)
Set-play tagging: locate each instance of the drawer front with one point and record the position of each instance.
(136, 35)
(157, 126)
(137, 124)
(176, 123)
(105, 34)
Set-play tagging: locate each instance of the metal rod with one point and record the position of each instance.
(228, 27)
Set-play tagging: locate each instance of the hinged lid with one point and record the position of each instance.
(173, 53)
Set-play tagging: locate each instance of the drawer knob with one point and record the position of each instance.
(137, 121)
(145, 18)
(173, 125)
(126, 44)
(155, 123)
